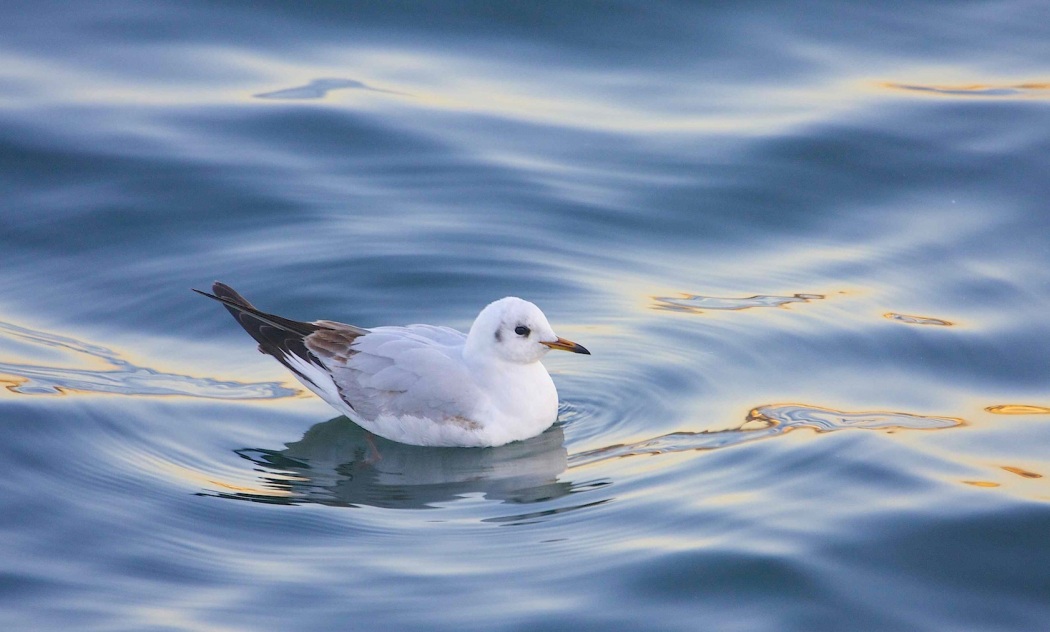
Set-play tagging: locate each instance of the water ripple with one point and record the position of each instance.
(696, 304)
(917, 320)
(977, 90)
(118, 375)
(336, 463)
(764, 422)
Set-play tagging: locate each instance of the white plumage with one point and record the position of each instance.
(421, 384)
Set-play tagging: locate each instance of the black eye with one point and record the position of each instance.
(521, 330)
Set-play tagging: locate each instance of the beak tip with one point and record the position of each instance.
(568, 345)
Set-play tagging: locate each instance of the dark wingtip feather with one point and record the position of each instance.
(250, 317)
(223, 291)
(277, 336)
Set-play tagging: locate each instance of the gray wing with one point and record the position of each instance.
(401, 371)
(415, 370)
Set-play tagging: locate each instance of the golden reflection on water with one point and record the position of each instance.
(1021, 472)
(1030, 484)
(77, 366)
(1018, 409)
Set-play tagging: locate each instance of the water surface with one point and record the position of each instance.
(805, 245)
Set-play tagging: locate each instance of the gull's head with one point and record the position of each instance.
(515, 330)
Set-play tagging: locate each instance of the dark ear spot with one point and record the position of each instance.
(499, 336)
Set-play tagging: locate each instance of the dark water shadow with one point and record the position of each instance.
(340, 464)
(319, 89)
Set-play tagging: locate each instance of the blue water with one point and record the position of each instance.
(807, 246)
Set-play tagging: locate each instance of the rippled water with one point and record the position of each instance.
(806, 245)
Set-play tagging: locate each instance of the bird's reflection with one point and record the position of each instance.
(338, 463)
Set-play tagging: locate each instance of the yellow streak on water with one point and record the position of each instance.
(1018, 409)
(1021, 472)
(1028, 484)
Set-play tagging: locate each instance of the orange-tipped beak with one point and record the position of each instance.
(567, 345)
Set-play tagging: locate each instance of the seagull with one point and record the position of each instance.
(422, 384)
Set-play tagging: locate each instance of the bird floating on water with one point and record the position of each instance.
(422, 384)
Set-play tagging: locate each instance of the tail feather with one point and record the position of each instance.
(249, 316)
(279, 337)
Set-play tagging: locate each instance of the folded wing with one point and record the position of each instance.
(398, 372)
(401, 371)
